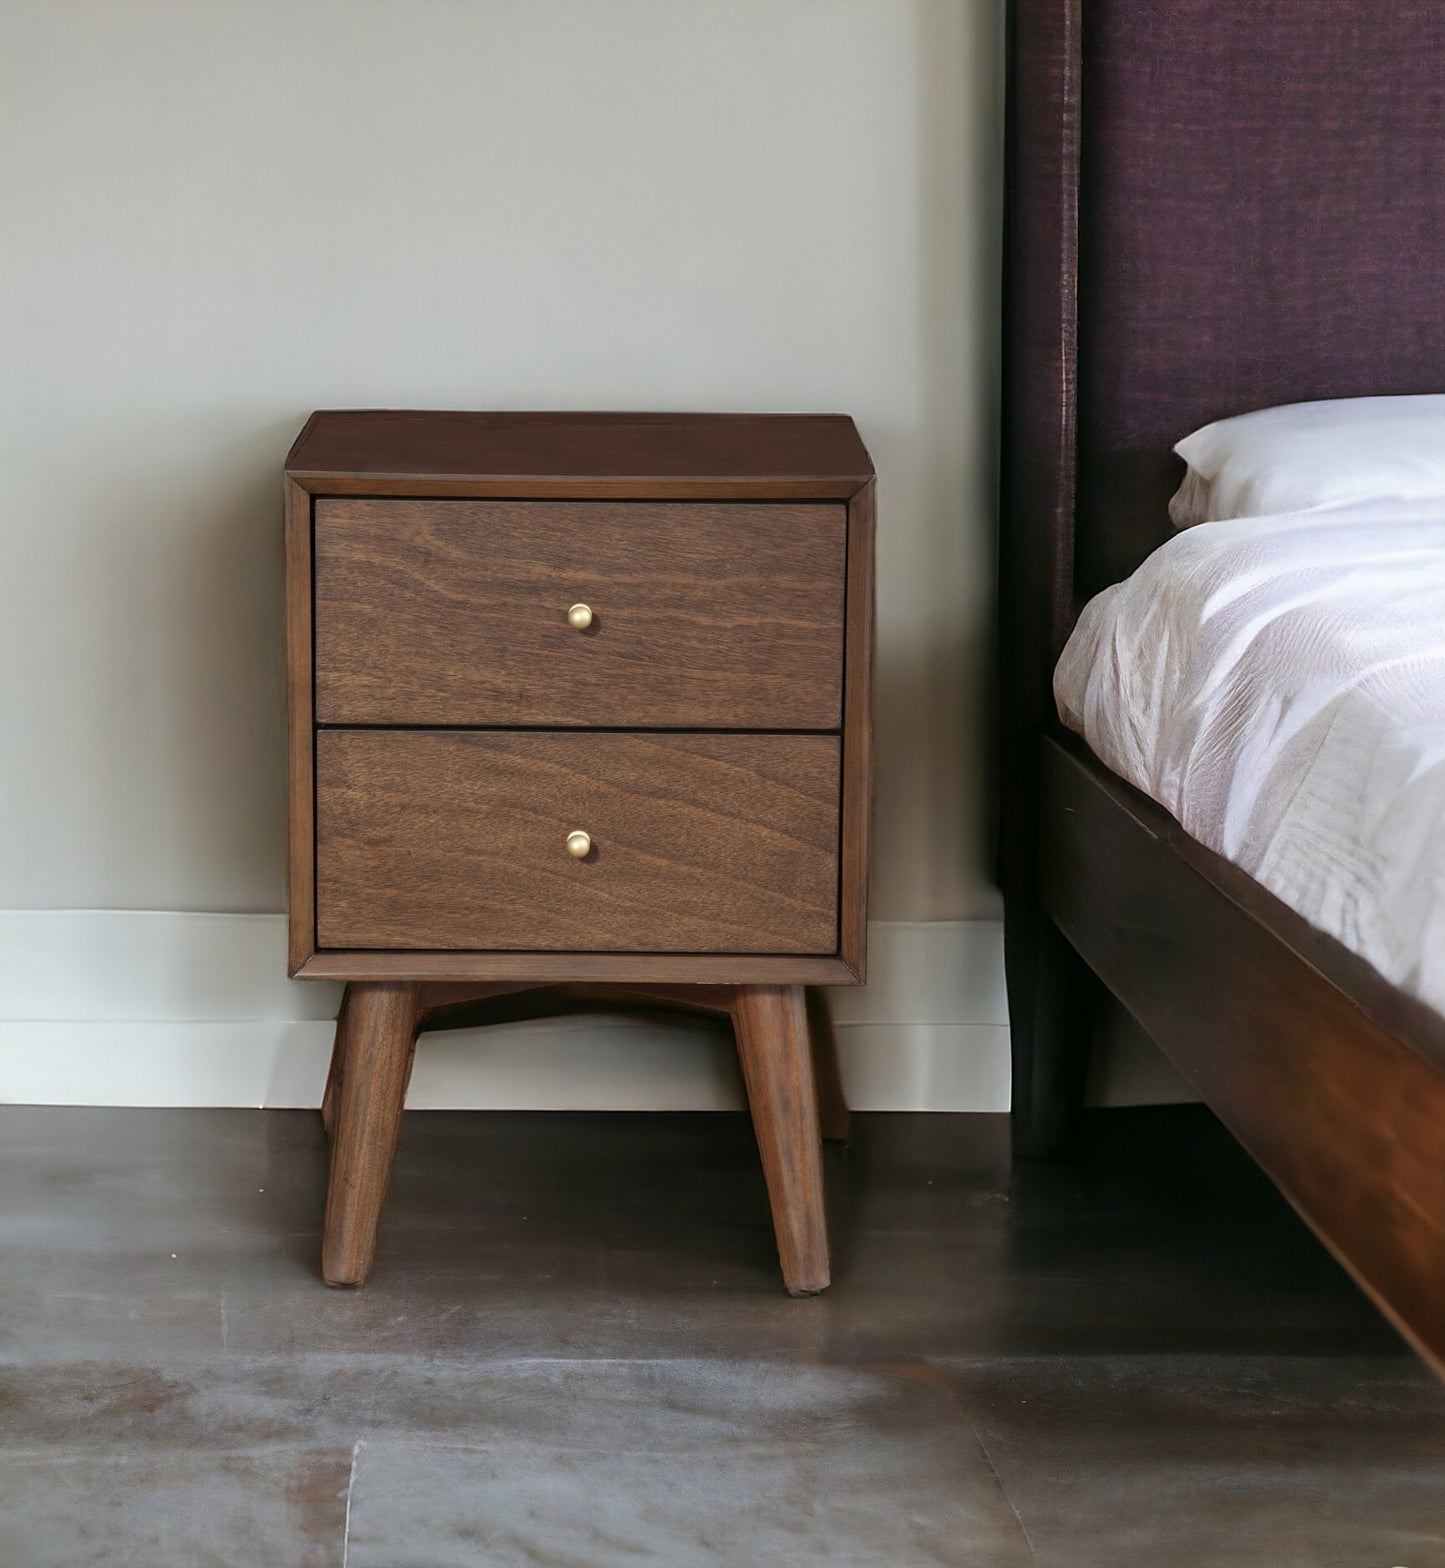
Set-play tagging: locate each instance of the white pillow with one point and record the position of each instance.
(1306, 455)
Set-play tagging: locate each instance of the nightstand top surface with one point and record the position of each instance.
(748, 449)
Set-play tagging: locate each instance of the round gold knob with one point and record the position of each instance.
(579, 618)
(579, 845)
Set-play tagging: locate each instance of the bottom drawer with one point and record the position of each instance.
(700, 843)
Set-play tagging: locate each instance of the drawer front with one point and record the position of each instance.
(699, 843)
(704, 615)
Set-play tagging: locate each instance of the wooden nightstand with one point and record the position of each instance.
(578, 699)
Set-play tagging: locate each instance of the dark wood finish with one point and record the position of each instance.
(332, 1092)
(1054, 1004)
(1333, 1079)
(756, 458)
(441, 488)
(1345, 1116)
(711, 730)
(858, 736)
(1049, 995)
(700, 843)
(557, 968)
(691, 998)
(300, 840)
(634, 456)
(717, 615)
(833, 1117)
(772, 1033)
(440, 1001)
(372, 1062)
(1404, 1017)
(470, 1006)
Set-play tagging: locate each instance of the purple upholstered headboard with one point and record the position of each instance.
(1261, 221)
(1260, 190)
(1213, 206)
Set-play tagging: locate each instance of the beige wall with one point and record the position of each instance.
(219, 214)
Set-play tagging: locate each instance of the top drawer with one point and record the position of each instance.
(705, 615)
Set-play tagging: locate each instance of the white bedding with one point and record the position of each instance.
(1278, 685)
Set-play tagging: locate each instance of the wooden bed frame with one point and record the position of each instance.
(1213, 206)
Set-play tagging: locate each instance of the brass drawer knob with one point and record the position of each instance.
(579, 845)
(579, 618)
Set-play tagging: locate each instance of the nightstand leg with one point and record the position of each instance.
(833, 1115)
(376, 1031)
(332, 1093)
(771, 1023)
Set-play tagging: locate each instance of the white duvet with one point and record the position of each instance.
(1278, 685)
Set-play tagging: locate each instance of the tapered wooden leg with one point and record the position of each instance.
(832, 1104)
(1053, 998)
(376, 1032)
(772, 1032)
(333, 1072)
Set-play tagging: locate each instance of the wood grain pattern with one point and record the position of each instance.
(772, 454)
(716, 616)
(577, 488)
(371, 1064)
(428, 866)
(331, 1094)
(772, 1034)
(433, 966)
(374, 1021)
(858, 736)
(300, 819)
(1343, 1113)
(833, 1116)
(711, 457)
(701, 843)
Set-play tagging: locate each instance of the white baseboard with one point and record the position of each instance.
(125, 1007)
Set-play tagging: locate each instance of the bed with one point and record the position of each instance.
(1213, 208)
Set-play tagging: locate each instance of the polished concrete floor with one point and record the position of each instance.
(575, 1351)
